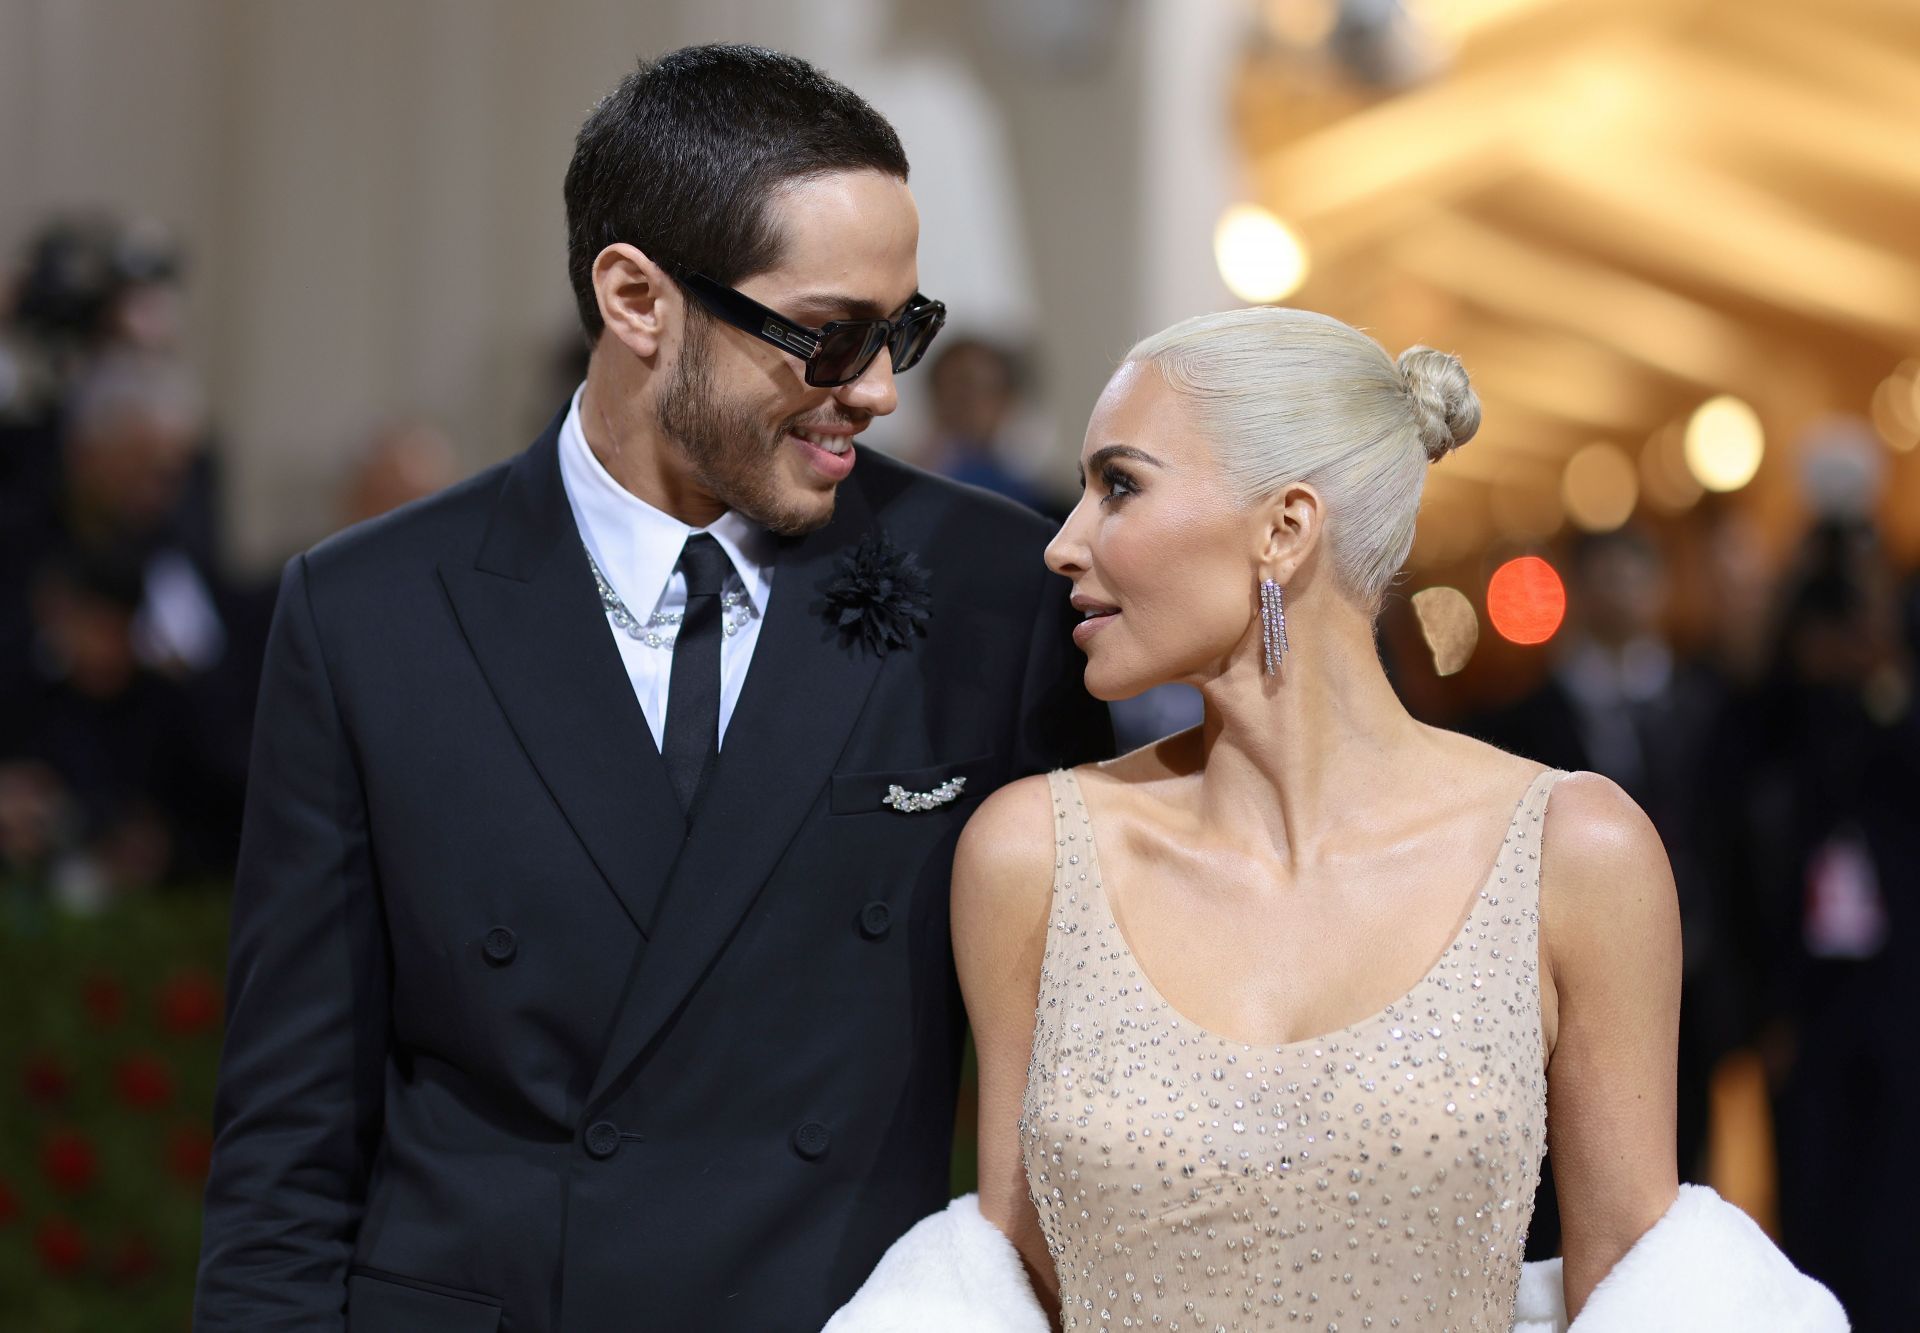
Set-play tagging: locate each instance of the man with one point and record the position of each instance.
(590, 963)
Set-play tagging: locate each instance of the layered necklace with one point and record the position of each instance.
(660, 629)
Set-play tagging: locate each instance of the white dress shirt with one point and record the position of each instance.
(638, 550)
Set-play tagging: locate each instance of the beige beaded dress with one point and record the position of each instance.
(1379, 1177)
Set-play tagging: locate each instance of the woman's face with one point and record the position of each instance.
(1164, 559)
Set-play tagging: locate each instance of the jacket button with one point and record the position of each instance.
(500, 946)
(811, 1140)
(875, 919)
(603, 1139)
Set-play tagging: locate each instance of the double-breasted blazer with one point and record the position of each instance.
(510, 1046)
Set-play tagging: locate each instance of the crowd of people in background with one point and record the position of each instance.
(1777, 751)
(127, 657)
(129, 645)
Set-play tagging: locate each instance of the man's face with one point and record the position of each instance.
(759, 438)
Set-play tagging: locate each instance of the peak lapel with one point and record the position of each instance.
(528, 610)
(804, 691)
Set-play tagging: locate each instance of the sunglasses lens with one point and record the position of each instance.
(844, 355)
(909, 343)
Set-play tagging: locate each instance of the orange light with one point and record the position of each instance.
(1526, 600)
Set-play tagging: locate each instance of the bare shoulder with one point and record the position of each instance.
(1151, 771)
(1003, 866)
(1475, 766)
(1598, 838)
(1606, 888)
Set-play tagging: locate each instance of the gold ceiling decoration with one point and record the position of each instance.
(1614, 211)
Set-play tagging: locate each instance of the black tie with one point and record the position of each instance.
(693, 692)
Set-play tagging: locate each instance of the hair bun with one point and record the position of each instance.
(1446, 410)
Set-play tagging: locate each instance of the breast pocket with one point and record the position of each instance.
(911, 792)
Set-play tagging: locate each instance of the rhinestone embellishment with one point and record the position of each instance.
(1376, 1177)
(912, 802)
(733, 605)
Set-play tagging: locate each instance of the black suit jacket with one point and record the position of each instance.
(509, 1046)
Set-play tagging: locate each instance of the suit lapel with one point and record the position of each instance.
(529, 612)
(803, 692)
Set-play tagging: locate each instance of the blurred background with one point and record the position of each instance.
(267, 269)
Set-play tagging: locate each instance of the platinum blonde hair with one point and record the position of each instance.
(1288, 395)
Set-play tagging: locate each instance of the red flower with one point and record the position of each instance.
(134, 1260)
(62, 1245)
(9, 1203)
(69, 1161)
(145, 1081)
(189, 1003)
(105, 998)
(189, 1152)
(46, 1080)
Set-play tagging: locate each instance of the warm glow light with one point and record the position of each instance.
(1460, 19)
(1724, 443)
(1896, 408)
(1525, 514)
(1450, 627)
(1664, 479)
(1304, 23)
(1600, 488)
(1259, 256)
(1526, 600)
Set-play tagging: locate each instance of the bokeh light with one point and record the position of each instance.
(1724, 443)
(1526, 601)
(1449, 625)
(1260, 258)
(1896, 408)
(1665, 481)
(1600, 487)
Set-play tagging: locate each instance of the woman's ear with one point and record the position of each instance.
(636, 301)
(1290, 523)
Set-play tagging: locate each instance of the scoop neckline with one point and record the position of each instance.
(1478, 896)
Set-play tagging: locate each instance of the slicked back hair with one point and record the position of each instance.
(684, 157)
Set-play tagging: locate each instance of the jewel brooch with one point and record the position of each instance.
(912, 802)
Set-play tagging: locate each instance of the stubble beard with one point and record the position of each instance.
(727, 446)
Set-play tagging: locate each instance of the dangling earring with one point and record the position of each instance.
(1273, 623)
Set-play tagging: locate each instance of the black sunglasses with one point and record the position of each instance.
(836, 353)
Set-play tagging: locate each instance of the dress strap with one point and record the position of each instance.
(1530, 820)
(1060, 783)
(1517, 873)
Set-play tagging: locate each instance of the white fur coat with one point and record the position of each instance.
(1704, 1267)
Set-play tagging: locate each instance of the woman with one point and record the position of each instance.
(1271, 1015)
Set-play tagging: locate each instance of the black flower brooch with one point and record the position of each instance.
(877, 595)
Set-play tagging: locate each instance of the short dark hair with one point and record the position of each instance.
(684, 155)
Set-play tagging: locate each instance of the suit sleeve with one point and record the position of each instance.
(1060, 724)
(298, 1109)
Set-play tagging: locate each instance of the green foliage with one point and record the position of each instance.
(109, 1043)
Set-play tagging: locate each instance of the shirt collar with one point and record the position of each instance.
(637, 545)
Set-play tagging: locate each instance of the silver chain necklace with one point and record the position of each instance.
(733, 606)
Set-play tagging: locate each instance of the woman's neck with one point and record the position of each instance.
(1289, 759)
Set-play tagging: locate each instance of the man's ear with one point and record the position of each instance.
(1290, 526)
(637, 303)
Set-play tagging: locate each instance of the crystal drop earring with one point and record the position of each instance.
(1273, 623)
